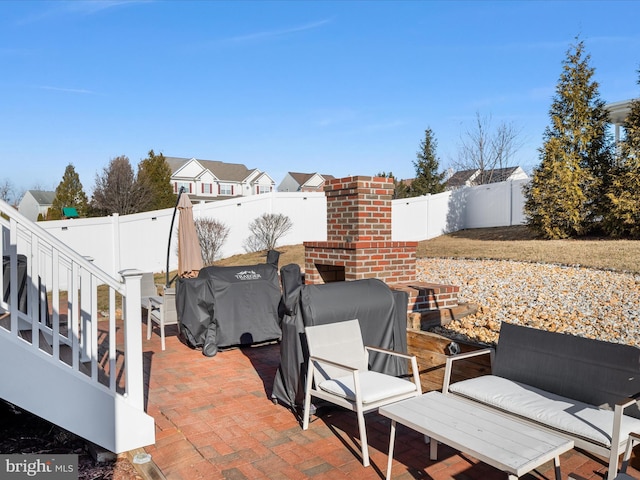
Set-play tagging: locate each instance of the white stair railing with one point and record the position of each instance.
(71, 313)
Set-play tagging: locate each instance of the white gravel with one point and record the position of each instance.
(581, 301)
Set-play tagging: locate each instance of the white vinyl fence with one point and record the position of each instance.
(493, 205)
(141, 240)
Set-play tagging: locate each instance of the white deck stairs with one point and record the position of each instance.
(70, 339)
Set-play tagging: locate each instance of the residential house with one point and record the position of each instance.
(618, 113)
(469, 178)
(36, 202)
(303, 182)
(209, 180)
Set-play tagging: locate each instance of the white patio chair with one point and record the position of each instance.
(163, 313)
(338, 372)
(148, 291)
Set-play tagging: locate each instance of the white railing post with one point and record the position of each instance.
(132, 314)
(86, 321)
(13, 275)
(115, 232)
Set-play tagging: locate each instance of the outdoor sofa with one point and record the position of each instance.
(581, 388)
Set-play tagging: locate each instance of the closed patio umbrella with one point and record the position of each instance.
(189, 251)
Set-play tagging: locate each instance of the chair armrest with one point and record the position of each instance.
(635, 436)
(389, 352)
(155, 301)
(628, 401)
(460, 356)
(333, 363)
(411, 358)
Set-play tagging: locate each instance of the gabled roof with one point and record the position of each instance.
(43, 197)
(474, 176)
(303, 178)
(234, 172)
(460, 178)
(176, 163)
(502, 174)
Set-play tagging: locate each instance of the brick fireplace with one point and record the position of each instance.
(359, 244)
(359, 241)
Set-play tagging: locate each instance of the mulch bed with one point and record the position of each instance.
(23, 432)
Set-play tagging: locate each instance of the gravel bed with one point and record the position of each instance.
(591, 303)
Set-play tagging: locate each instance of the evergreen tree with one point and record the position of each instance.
(623, 218)
(400, 188)
(69, 193)
(155, 171)
(574, 172)
(554, 197)
(427, 179)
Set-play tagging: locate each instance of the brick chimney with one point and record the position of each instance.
(359, 241)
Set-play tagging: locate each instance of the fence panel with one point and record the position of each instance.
(140, 241)
(420, 218)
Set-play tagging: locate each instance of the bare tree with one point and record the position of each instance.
(7, 190)
(118, 190)
(487, 149)
(267, 229)
(212, 234)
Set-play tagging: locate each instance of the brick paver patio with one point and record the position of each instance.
(215, 420)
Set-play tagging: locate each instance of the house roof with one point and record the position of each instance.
(619, 111)
(303, 178)
(43, 197)
(502, 174)
(460, 178)
(235, 172)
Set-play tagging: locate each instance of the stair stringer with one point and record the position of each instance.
(50, 389)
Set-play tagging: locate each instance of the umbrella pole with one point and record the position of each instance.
(173, 218)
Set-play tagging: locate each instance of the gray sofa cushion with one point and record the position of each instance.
(554, 411)
(591, 371)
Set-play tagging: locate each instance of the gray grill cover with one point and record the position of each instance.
(592, 371)
(246, 302)
(383, 320)
(194, 307)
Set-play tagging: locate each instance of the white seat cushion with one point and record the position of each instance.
(374, 386)
(560, 413)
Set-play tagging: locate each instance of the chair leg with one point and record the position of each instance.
(162, 333)
(363, 436)
(149, 321)
(631, 441)
(613, 467)
(307, 397)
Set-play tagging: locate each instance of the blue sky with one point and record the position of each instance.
(337, 87)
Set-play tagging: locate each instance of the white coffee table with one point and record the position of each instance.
(498, 440)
